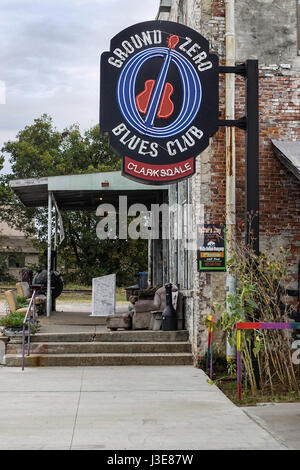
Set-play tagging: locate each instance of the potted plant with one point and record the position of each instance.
(13, 324)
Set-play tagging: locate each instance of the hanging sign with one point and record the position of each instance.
(211, 247)
(159, 99)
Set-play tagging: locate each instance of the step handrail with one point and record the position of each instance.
(27, 318)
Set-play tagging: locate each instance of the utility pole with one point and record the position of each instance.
(230, 154)
(49, 292)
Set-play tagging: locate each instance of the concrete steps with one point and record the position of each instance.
(112, 336)
(153, 359)
(105, 348)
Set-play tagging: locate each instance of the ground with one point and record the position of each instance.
(228, 386)
(78, 294)
(281, 419)
(132, 407)
(127, 407)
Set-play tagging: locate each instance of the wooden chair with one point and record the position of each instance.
(148, 313)
(12, 302)
(23, 290)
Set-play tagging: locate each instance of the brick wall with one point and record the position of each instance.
(256, 25)
(279, 115)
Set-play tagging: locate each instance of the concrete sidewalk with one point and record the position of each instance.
(281, 419)
(121, 408)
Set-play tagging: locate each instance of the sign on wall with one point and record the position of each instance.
(159, 99)
(211, 247)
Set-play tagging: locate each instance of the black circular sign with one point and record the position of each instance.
(159, 99)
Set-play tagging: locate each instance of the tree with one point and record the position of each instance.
(5, 275)
(41, 150)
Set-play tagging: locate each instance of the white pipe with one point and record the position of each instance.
(230, 153)
(49, 296)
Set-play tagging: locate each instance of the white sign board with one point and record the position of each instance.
(104, 295)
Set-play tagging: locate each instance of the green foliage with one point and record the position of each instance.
(12, 320)
(15, 320)
(231, 367)
(260, 297)
(4, 272)
(41, 150)
(22, 302)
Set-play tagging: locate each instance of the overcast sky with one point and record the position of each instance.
(50, 52)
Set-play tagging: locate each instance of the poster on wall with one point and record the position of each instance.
(211, 247)
(159, 98)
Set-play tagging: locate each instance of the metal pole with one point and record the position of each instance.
(23, 346)
(230, 154)
(55, 233)
(177, 234)
(252, 158)
(54, 267)
(49, 299)
(29, 332)
(150, 275)
(252, 175)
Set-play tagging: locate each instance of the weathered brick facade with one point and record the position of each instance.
(267, 31)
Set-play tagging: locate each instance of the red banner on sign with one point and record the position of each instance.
(160, 173)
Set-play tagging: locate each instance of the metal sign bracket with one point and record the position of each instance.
(249, 123)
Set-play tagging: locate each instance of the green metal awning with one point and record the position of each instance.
(85, 191)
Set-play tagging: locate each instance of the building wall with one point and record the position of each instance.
(13, 243)
(265, 30)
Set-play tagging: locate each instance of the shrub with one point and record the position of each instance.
(261, 296)
(12, 320)
(15, 320)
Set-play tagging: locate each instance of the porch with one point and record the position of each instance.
(68, 335)
(87, 192)
(71, 337)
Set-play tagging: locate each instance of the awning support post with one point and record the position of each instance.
(49, 296)
(55, 233)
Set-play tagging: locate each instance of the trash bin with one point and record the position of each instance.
(143, 280)
(131, 291)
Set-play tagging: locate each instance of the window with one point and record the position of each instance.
(12, 262)
(16, 260)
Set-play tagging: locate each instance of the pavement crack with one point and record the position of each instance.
(76, 415)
